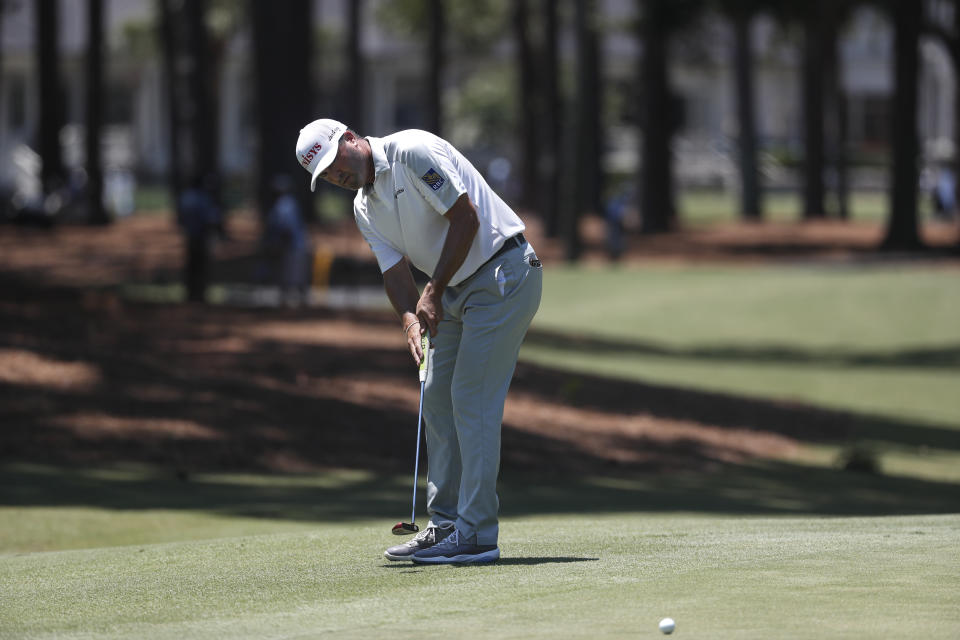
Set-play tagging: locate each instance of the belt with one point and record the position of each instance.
(510, 243)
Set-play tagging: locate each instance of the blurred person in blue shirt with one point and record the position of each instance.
(286, 238)
(199, 217)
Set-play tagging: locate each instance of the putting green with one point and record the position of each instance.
(598, 576)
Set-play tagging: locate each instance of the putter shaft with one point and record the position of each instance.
(416, 460)
(424, 367)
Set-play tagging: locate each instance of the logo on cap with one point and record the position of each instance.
(313, 152)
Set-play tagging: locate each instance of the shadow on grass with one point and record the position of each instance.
(181, 391)
(768, 489)
(502, 562)
(803, 422)
(535, 561)
(945, 357)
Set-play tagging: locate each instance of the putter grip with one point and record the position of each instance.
(425, 348)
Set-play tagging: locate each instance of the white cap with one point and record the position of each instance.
(317, 146)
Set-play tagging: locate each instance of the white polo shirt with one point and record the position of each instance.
(417, 178)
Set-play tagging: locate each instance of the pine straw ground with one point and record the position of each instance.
(88, 377)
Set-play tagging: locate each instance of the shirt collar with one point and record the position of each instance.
(380, 162)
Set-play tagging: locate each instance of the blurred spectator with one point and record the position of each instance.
(944, 193)
(286, 242)
(499, 171)
(616, 211)
(119, 187)
(199, 217)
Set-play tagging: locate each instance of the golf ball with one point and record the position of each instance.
(667, 625)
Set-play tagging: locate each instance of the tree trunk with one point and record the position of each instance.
(282, 38)
(591, 97)
(743, 65)
(53, 173)
(203, 87)
(571, 185)
(902, 231)
(3, 142)
(549, 165)
(188, 59)
(657, 121)
(835, 112)
(953, 45)
(813, 191)
(96, 214)
(434, 67)
(529, 104)
(354, 88)
(584, 164)
(168, 40)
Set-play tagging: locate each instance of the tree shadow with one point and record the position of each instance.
(803, 422)
(183, 391)
(761, 489)
(940, 357)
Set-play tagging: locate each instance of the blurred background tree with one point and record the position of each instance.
(573, 108)
(53, 176)
(96, 213)
(659, 110)
(902, 231)
(283, 49)
(741, 13)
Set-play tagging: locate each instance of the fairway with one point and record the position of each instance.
(596, 576)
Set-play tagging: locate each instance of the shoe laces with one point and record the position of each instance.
(452, 540)
(423, 535)
(429, 534)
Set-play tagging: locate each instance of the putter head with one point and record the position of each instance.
(405, 528)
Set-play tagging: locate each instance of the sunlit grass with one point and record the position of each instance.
(712, 206)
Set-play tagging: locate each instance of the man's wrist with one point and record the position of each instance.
(434, 287)
(407, 318)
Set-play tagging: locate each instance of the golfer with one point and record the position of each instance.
(420, 201)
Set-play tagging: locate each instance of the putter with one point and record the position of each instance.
(406, 528)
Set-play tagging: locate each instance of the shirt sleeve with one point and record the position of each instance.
(387, 255)
(434, 175)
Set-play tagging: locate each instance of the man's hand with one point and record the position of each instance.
(464, 223)
(412, 331)
(430, 309)
(425, 314)
(402, 291)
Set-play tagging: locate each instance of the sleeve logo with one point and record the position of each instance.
(433, 179)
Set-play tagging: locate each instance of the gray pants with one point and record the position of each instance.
(485, 318)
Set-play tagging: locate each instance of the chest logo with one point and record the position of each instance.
(398, 192)
(433, 179)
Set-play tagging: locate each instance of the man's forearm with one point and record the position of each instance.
(463, 229)
(402, 291)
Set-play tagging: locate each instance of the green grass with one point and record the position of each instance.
(719, 578)
(876, 340)
(880, 343)
(705, 206)
(299, 556)
(152, 198)
(772, 549)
